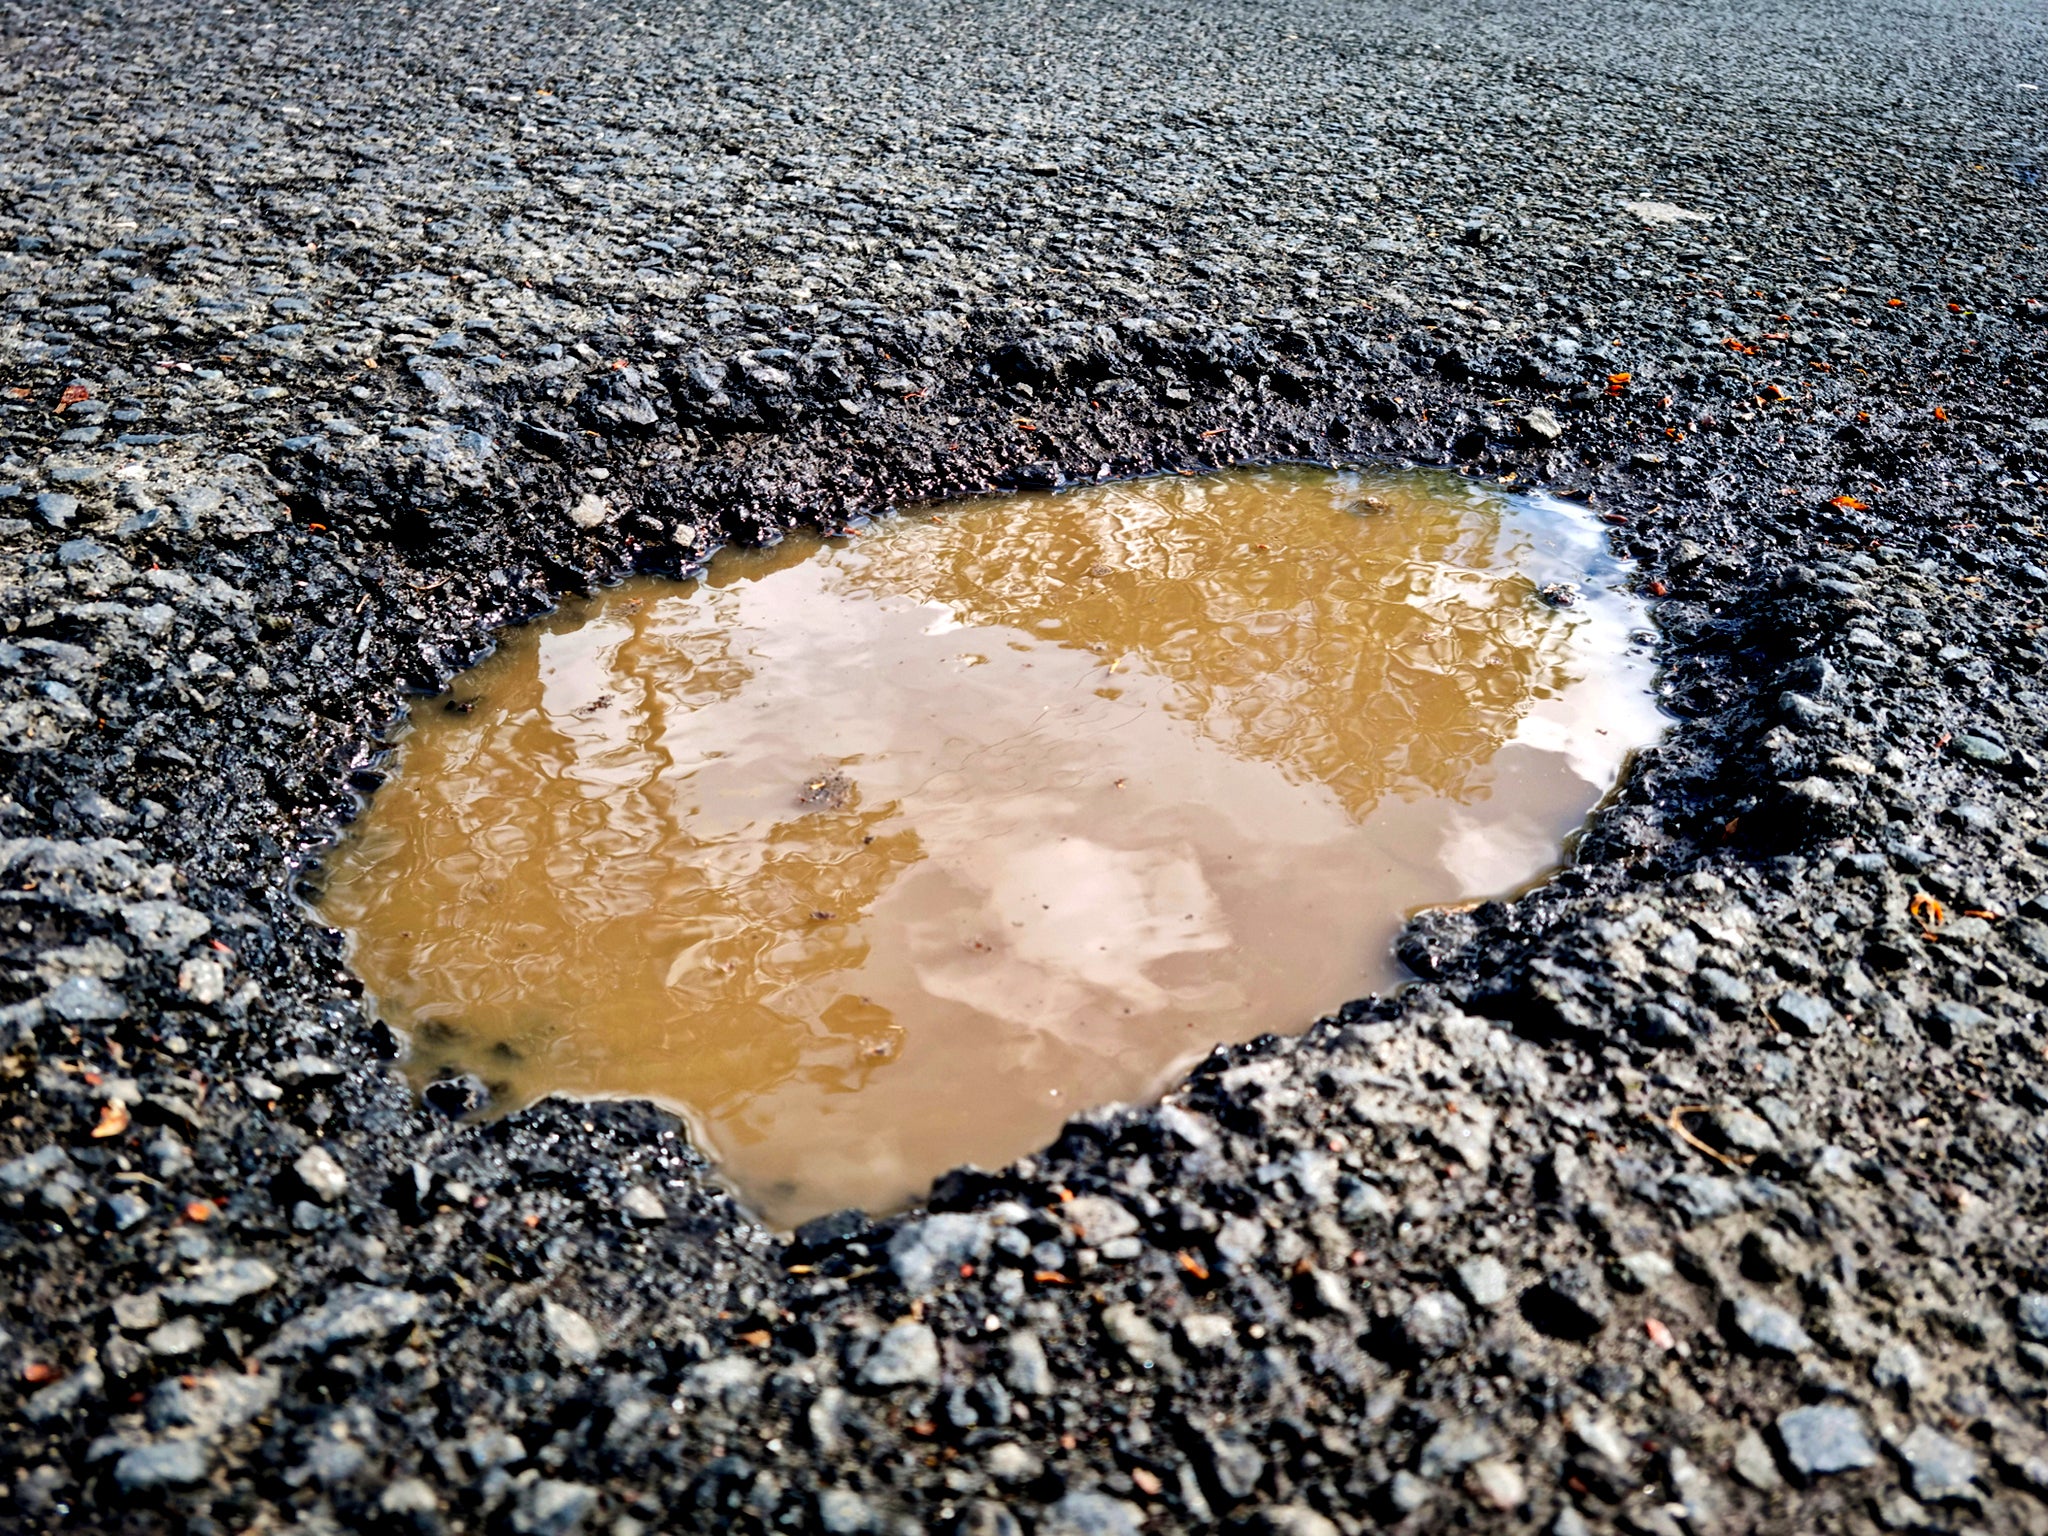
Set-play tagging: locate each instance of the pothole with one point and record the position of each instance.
(877, 855)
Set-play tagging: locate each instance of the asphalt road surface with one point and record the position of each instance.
(1700, 1190)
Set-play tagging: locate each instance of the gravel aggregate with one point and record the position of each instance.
(1699, 1190)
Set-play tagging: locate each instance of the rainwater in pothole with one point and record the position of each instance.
(876, 855)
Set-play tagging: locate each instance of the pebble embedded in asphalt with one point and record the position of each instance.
(1824, 1440)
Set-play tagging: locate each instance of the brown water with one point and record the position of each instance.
(877, 855)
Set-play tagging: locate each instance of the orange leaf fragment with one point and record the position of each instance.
(1848, 503)
(37, 1371)
(1147, 1481)
(73, 393)
(113, 1119)
(1050, 1277)
(200, 1210)
(1192, 1265)
(1940, 414)
(1658, 589)
(759, 1338)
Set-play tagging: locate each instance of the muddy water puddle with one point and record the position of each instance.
(877, 855)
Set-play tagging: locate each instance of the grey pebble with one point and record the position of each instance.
(321, 1173)
(906, 1355)
(1768, 1329)
(1483, 1281)
(1091, 1514)
(1824, 1440)
(168, 1464)
(1940, 1469)
(176, 1339)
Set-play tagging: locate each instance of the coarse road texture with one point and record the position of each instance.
(1700, 1191)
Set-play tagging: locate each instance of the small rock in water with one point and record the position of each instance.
(457, 1096)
